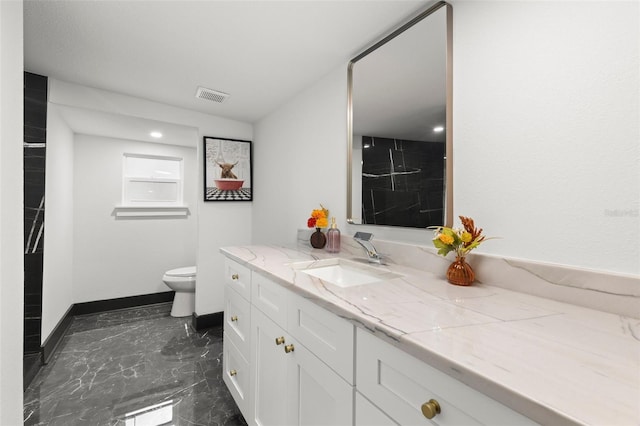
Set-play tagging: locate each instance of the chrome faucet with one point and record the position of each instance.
(364, 239)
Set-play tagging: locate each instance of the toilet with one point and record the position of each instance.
(183, 282)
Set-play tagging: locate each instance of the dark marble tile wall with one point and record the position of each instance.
(402, 182)
(35, 135)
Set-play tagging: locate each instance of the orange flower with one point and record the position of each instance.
(318, 214)
(322, 222)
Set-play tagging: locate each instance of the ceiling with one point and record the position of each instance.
(119, 126)
(262, 53)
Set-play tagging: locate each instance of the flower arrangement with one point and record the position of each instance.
(319, 218)
(462, 241)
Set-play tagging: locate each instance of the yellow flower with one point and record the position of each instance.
(466, 237)
(447, 239)
(322, 222)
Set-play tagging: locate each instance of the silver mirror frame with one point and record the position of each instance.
(449, 109)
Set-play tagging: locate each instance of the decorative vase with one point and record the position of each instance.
(318, 239)
(460, 272)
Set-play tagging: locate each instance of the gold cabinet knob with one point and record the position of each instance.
(234, 277)
(233, 373)
(234, 318)
(289, 348)
(279, 340)
(430, 408)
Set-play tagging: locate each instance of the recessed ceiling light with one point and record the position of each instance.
(156, 134)
(438, 129)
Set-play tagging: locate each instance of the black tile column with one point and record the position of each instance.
(35, 135)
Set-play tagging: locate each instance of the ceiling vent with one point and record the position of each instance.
(211, 95)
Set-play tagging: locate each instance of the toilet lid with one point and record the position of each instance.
(182, 272)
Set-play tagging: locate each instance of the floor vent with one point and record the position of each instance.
(211, 95)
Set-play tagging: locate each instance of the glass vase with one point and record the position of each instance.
(318, 239)
(460, 272)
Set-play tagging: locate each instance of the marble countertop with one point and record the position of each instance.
(554, 362)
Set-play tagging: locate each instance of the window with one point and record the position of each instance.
(152, 181)
(152, 186)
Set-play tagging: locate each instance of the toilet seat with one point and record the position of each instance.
(188, 271)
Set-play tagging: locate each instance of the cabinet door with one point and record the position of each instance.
(368, 414)
(325, 334)
(268, 379)
(316, 394)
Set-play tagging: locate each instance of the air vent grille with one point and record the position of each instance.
(211, 95)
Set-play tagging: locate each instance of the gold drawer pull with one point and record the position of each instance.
(430, 408)
(279, 340)
(234, 318)
(233, 373)
(234, 277)
(289, 348)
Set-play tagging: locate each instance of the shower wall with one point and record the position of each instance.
(35, 135)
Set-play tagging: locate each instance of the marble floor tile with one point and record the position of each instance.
(131, 367)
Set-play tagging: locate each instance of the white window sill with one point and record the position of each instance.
(151, 211)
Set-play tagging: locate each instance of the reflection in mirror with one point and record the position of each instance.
(399, 119)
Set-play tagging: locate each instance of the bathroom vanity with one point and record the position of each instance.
(391, 344)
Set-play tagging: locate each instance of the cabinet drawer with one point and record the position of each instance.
(270, 298)
(237, 277)
(237, 320)
(325, 334)
(399, 384)
(236, 375)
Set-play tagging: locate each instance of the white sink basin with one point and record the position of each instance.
(344, 273)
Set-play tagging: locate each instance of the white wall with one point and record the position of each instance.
(124, 257)
(57, 273)
(11, 214)
(218, 223)
(546, 123)
(300, 161)
(546, 129)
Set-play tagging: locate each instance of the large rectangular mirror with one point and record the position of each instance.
(400, 126)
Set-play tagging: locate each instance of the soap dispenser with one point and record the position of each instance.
(333, 237)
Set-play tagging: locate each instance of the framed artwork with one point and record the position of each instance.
(227, 170)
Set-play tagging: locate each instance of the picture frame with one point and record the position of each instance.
(228, 169)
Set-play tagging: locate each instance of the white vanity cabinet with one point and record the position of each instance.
(408, 391)
(299, 356)
(289, 361)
